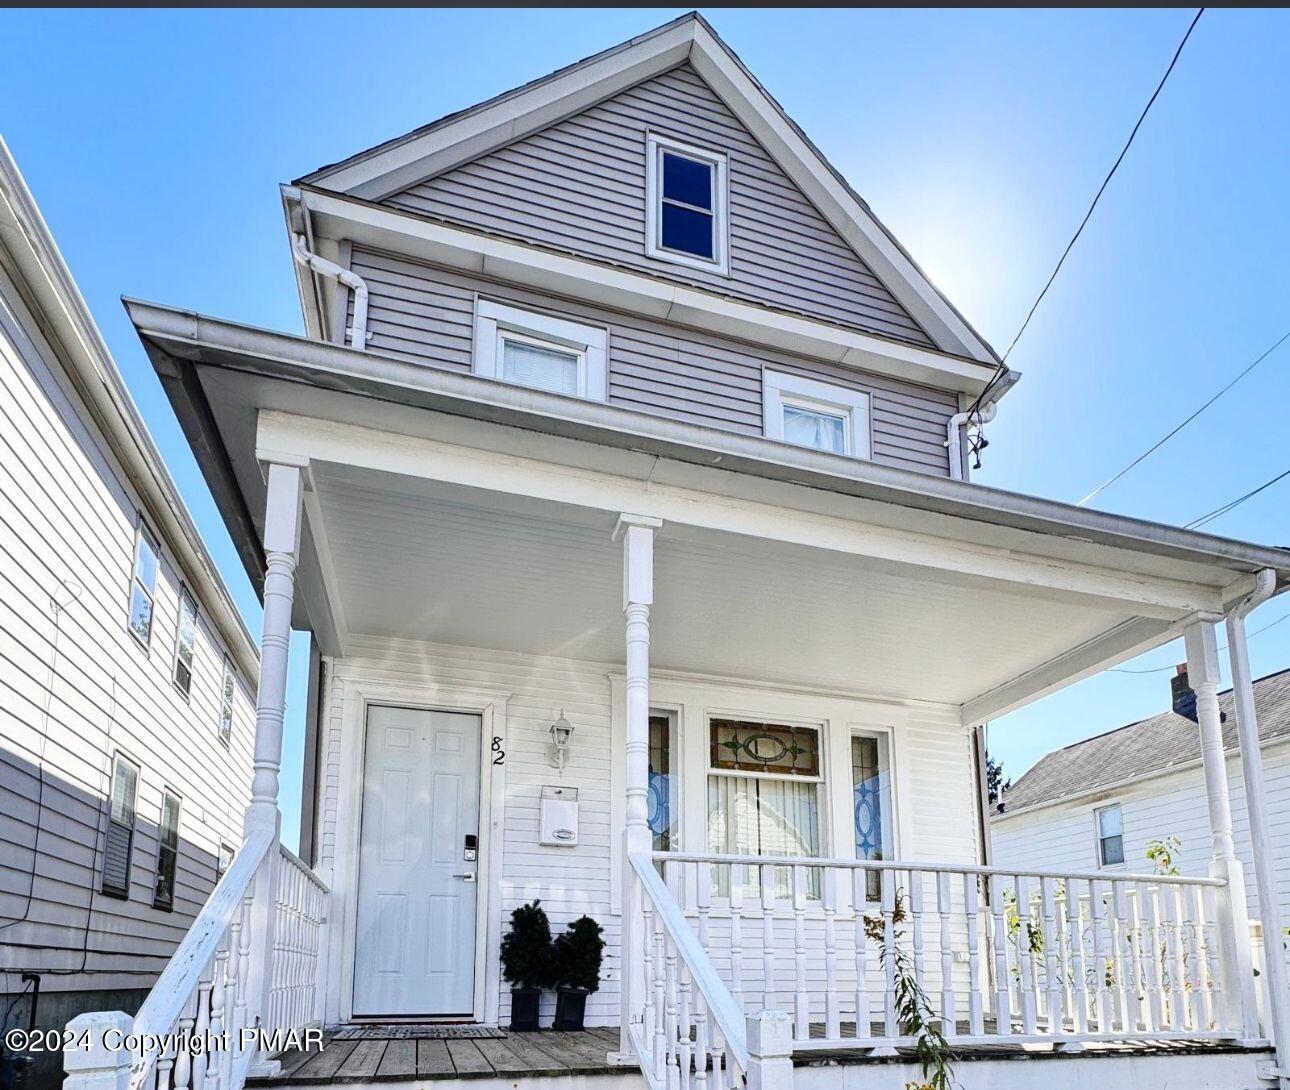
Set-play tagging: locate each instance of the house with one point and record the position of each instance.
(127, 678)
(623, 459)
(1100, 803)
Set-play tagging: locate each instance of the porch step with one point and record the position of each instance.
(530, 1059)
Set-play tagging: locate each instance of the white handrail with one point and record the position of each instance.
(725, 1012)
(169, 996)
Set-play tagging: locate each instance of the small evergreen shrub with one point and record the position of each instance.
(578, 953)
(527, 952)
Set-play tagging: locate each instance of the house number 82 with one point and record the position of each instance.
(500, 759)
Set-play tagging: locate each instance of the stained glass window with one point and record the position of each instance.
(740, 746)
(871, 804)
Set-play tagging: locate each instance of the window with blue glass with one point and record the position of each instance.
(686, 204)
(871, 804)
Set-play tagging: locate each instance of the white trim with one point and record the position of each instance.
(334, 215)
(493, 321)
(655, 145)
(780, 389)
(361, 690)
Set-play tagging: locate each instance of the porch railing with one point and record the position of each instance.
(992, 955)
(249, 962)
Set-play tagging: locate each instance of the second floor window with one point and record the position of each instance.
(228, 690)
(540, 351)
(686, 212)
(185, 642)
(119, 845)
(1110, 836)
(163, 895)
(810, 413)
(143, 584)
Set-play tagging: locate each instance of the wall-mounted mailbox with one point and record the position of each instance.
(558, 817)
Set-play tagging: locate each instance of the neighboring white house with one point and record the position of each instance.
(620, 479)
(1099, 803)
(126, 675)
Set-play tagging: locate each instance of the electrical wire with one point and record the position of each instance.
(1002, 368)
(1218, 512)
(1155, 447)
(1162, 669)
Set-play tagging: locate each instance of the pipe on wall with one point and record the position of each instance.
(358, 330)
(954, 429)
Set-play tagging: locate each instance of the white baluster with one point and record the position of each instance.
(660, 997)
(801, 999)
(916, 925)
(1075, 944)
(1025, 956)
(183, 1072)
(1051, 933)
(672, 1022)
(1199, 974)
(949, 1015)
(701, 1043)
(1149, 938)
(1178, 965)
(165, 1064)
(202, 1026)
(972, 910)
(891, 1027)
(737, 933)
(648, 1020)
(1215, 994)
(215, 1063)
(832, 1007)
(859, 898)
(1103, 959)
(767, 874)
(1122, 957)
(1002, 977)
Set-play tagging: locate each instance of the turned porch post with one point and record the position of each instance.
(281, 552)
(1238, 1010)
(1256, 805)
(637, 535)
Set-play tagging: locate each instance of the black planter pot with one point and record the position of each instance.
(570, 1008)
(524, 1009)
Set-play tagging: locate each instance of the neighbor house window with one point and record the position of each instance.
(227, 692)
(143, 583)
(540, 351)
(810, 413)
(224, 860)
(185, 642)
(763, 794)
(163, 894)
(1110, 836)
(871, 804)
(686, 204)
(662, 800)
(120, 832)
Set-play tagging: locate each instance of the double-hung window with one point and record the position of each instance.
(764, 783)
(143, 583)
(227, 693)
(185, 642)
(224, 860)
(119, 845)
(685, 219)
(163, 893)
(1110, 836)
(810, 413)
(527, 348)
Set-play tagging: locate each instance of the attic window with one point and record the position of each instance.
(686, 204)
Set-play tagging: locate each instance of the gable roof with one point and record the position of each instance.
(463, 136)
(1159, 744)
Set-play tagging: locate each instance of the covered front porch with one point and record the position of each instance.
(774, 663)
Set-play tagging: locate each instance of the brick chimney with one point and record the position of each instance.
(1184, 696)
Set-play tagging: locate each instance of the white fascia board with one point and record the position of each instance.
(337, 217)
(294, 437)
(481, 130)
(848, 216)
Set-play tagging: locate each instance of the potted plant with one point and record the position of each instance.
(577, 971)
(527, 964)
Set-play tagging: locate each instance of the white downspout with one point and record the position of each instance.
(1256, 805)
(953, 430)
(358, 331)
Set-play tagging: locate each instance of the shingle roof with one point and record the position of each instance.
(1152, 745)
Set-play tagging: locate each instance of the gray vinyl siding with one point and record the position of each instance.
(424, 313)
(76, 687)
(580, 185)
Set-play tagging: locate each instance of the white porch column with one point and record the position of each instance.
(637, 535)
(1238, 1009)
(1256, 805)
(281, 553)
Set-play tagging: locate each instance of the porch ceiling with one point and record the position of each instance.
(423, 560)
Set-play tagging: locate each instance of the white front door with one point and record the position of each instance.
(415, 948)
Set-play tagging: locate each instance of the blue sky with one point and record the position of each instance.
(155, 140)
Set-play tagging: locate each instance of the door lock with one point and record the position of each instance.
(467, 877)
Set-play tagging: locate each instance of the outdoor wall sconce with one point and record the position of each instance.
(561, 730)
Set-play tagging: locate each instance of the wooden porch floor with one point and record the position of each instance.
(551, 1054)
(545, 1053)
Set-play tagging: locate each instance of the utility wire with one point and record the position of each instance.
(1162, 669)
(1218, 512)
(1155, 447)
(1002, 368)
